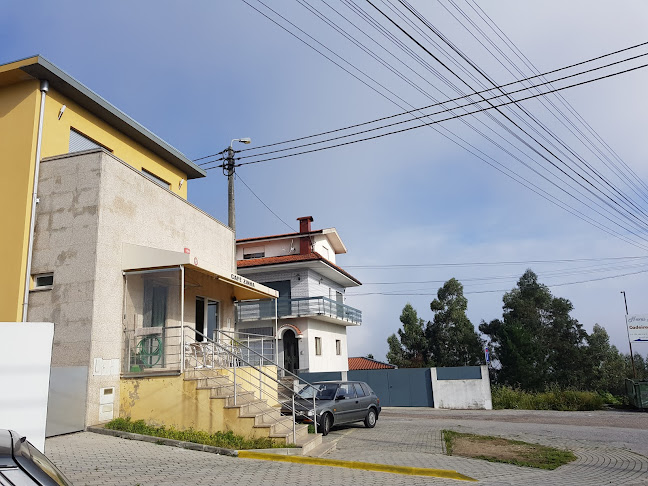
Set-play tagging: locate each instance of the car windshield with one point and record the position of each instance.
(322, 391)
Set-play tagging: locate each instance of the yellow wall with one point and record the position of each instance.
(19, 111)
(173, 401)
(56, 138)
(19, 106)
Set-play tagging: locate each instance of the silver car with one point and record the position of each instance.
(336, 402)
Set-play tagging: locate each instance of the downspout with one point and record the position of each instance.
(44, 87)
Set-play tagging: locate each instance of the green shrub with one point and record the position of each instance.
(226, 440)
(553, 398)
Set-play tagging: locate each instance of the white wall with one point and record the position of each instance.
(329, 333)
(25, 359)
(462, 394)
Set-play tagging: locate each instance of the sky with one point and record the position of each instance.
(199, 74)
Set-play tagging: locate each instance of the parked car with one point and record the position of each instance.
(336, 402)
(22, 464)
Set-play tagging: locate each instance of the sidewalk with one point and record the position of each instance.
(403, 437)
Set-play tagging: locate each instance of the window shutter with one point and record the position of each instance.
(79, 143)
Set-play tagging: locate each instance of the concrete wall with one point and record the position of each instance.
(92, 203)
(457, 393)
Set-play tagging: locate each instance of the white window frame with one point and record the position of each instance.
(318, 346)
(338, 347)
(36, 287)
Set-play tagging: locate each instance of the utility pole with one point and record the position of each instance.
(228, 170)
(634, 371)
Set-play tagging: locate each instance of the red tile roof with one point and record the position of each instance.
(258, 262)
(368, 364)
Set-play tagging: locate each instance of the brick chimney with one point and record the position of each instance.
(304, 241)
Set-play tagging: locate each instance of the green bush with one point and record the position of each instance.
(553, 398)
(226, 440)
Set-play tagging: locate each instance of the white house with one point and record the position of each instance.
(312, 318)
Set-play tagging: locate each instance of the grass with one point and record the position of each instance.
(226, 440)
(551, 399)
(497, 449)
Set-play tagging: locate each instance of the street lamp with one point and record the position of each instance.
(228, 169)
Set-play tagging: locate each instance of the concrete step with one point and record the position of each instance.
(320, 450)
(201, 373)
(241, 399)
(213, 381)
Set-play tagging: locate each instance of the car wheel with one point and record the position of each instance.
(370, 419)
(325, 424)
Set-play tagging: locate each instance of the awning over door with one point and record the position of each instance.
(138, 258)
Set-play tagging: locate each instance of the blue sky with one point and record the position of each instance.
(201, 73)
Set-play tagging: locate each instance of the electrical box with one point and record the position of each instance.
(106, 403)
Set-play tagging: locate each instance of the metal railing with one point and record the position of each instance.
(246, 366)
(258, 348)
(254, 310)
(152, 349)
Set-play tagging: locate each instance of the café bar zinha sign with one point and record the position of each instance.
(637, 328)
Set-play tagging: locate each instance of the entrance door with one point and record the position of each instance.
(291, 351)
(207, 322)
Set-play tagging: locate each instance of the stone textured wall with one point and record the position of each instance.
(91, 204)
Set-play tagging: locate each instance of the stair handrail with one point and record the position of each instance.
(259, 369)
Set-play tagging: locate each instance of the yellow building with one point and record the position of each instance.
(73, 118)
(99, 238)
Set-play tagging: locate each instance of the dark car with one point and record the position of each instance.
(22, 464)
(336, 402)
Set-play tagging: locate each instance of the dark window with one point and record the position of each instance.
(43, 280)
(359, 390)
(249, 256)
(366, 388)
(158, 180)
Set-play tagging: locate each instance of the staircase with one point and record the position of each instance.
(247, 414)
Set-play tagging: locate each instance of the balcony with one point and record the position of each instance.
(318, 307)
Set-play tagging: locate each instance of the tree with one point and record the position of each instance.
(409, 349)
(370, 356)
(451, 337)
(536, 342)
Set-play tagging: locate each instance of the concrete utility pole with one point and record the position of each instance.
(229, 169)
(634, 371)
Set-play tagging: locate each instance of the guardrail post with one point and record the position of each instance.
(314, 410)
(294, 423)
(234, 380)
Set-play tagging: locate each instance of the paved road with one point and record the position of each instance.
(611, 449)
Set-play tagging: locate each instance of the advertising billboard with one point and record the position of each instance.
(637, 327)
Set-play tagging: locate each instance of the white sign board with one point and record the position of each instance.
(25, 360)
(638, 328)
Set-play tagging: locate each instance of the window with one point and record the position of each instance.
(43, 281)
(338, 347)
(158, 180)
(360, 392)
(80, 142)
(318, 346)
(254, 252)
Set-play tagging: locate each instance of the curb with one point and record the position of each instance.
(162, 441)
(368, 466)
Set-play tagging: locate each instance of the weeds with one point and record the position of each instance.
(227, 440)
(553, 398)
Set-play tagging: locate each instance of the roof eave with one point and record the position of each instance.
(65, 84)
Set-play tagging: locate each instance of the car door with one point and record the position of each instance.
(362, 402)
(345, 404)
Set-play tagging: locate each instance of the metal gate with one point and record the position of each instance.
(405, 387)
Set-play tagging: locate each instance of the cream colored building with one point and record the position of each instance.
(311, 328)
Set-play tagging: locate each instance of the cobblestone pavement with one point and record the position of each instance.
(607, 454)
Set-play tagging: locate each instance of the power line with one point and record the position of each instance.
(497, 263)
(432, 105)
(505, 170)
(498, 290)
(238, 176)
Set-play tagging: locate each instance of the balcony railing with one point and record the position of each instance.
(254, 310)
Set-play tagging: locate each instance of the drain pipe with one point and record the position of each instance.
(44, 87)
